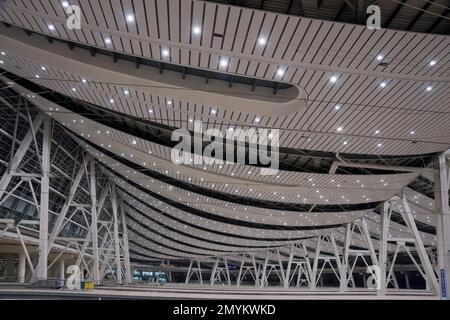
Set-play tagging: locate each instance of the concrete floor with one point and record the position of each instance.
(181, 291)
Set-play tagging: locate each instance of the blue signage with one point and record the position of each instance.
(443, 288)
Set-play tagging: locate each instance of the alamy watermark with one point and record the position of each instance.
(374, 19)
(73, 282)
(233, 145)
(74, 19)
(373, 282)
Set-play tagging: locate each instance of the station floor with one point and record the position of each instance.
(182, 291)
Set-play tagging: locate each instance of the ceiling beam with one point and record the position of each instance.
(341, 11)
(291, 2)
(350, 5)
(394, 14)
(418, 15)
(438, 21)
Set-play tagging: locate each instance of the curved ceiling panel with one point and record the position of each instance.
(292, 187)
(260, 101)
(314, 127)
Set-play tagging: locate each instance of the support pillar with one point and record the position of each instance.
(41, 273)
(94, 230)
(424, 260)
(21, 268)
(62, 269)
(287, 276)
(116, 235)
(126, 250)
(313, 282)
(344, 264)
(441, 189)
(382, 255)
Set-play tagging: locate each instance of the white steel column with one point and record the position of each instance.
(41, 273)
(340, 265)
(313, 282)
(188, 274)
(213, 272)
(94, 230)
(287, 276)
(116, 234)
(344, 266)
(62, 269)
(382, 255)
(366, 233)
(263, 271)
(21, 268)
(200, 272)
(238, 280)
(126, 250)
(308, 263)
(424, 260)
(441, 189)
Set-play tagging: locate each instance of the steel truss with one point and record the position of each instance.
(102, 247)
(93, 206)
(386, 263)
(303, 266)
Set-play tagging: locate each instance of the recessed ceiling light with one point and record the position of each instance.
(65, 4)
(379, 57)
(111, 100)
(223, 62)
(197, 30)
(2, 62)
(432, 62)
(74, 89)
(412, 132)
(83, 80)
(43, 68)
(165, 52)
(345, 142)
(126, 92)
(333, 79)
(337, 107)
(107, 40)
(429, 88)
(379, 145)
(339, 129)
(257, 119)
(190, 120)
(377, 131)
(51, 27)
(37, 76)
(130, 18)
(3, 53)
(262, 41)
(383, 84)
(213, 111)
(150, 111)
